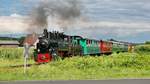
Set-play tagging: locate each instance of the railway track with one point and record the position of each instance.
(20, 66)
(28, 65)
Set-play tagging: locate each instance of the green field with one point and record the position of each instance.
(115, 66)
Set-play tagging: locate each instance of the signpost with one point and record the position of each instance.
(26, 55)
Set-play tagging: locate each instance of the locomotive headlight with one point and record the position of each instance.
(43, 43)
(38, 50)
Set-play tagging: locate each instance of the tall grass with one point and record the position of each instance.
(122, 65)
(13, 53)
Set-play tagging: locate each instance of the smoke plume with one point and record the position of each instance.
(61, 12)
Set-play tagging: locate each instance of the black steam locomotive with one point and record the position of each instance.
(53, 44)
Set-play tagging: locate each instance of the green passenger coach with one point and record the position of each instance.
(90, 47)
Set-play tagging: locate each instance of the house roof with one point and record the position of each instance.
(31, 39)
(9, 43)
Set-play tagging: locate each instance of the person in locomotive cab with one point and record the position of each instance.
(54, 54)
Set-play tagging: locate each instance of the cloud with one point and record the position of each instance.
(16, 23)
(111, 18)
(91, 29)
(110, 28)
(118, 9)
(16, 15)
(13, 23)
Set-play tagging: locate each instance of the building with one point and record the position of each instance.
(12, 43)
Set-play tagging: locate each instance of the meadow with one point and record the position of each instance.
(115, 66)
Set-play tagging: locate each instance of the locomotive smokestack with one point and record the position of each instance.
(45, 33)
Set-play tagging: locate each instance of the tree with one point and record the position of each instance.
(147, 42)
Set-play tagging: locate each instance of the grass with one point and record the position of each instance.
(13, 53)
(122, 65)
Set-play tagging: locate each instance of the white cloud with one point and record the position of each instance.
(13, 24)
(118, 29)
(17, 23)
(118, 9)
(120, 18)
(16, 15)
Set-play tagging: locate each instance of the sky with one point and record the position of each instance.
(126, 20)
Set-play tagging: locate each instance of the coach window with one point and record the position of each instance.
(87, 42)
(78, 42)
(75, 43)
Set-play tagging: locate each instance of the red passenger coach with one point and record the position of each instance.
(105, 47)
(44, 58)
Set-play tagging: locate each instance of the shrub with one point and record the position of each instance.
(142, 48)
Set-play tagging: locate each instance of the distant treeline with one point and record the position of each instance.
(143, 47)
(147, 42)
(8, 38)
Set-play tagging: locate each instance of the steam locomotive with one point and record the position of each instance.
(54, 44)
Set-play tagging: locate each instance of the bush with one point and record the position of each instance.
(142, 48)
(147, 42)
